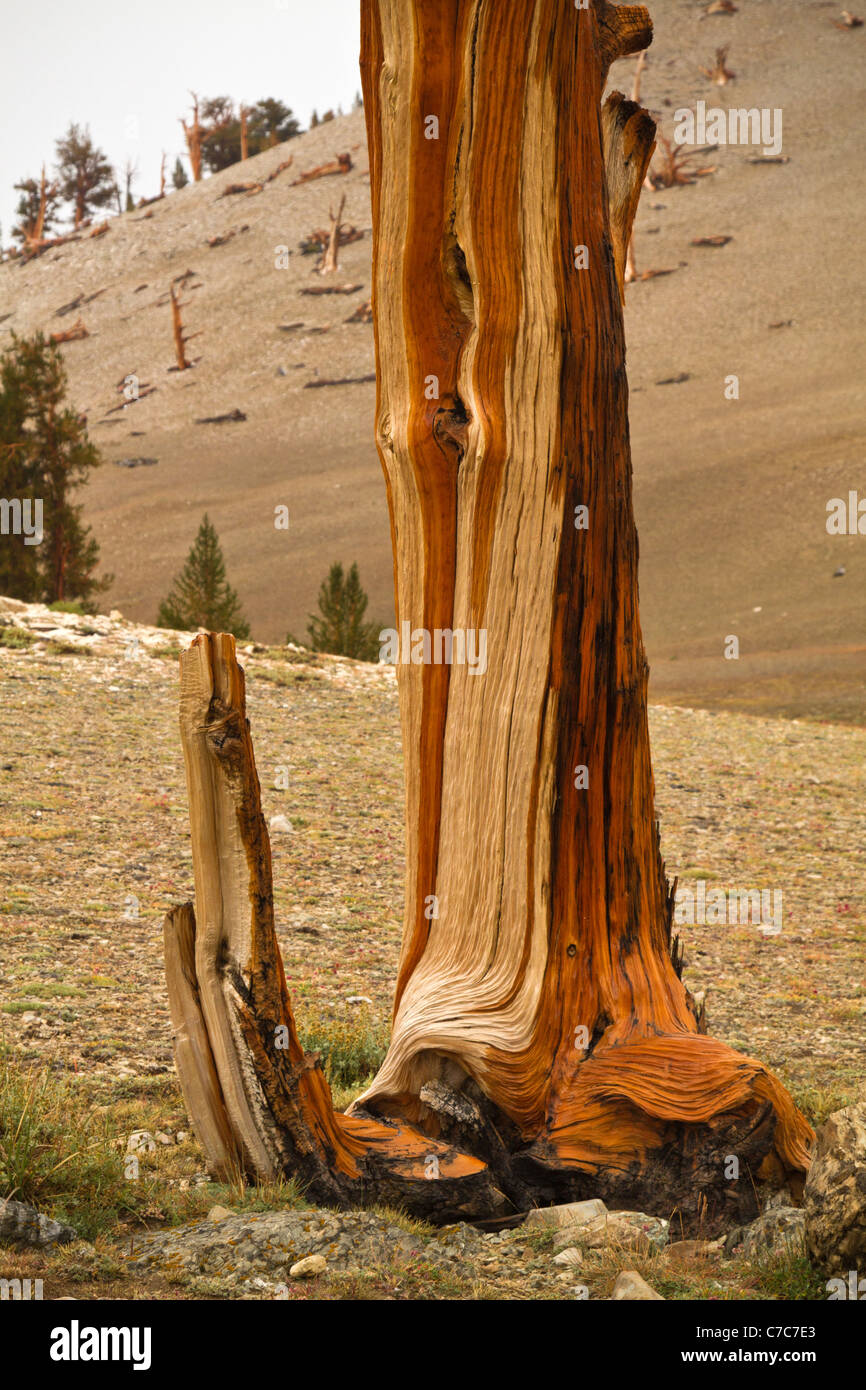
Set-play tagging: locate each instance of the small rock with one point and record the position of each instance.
(218, 1213)
(141, 1141)
(776, 1232)
(162, 1138)
(631, 1230)
(571, 1256)
(358, 999)
(310, 1268)
(182, 1136)
(21, 1224)
(631, 1288)
(569, 1214)
(280, 825)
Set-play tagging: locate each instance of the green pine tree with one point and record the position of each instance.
(45, 454)
(179, 175)
(85, 177)
(200, 596)
(341, 629)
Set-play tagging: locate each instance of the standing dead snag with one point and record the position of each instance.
(180, 338)
(720, 74)
(541, 1028)
(328, 263)
(193, 134)
(256, 1100)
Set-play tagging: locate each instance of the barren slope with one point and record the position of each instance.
(731, 495)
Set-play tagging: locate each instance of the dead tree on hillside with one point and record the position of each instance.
(46, 191)
(328, 263)
(180, 338)
(544, 1045)
(194, 135)
(719, 73)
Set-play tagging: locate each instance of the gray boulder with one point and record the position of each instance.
(835, 1194)
(24, 1225)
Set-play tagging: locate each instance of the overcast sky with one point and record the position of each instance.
(126, 71)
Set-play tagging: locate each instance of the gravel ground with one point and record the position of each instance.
(95, 848)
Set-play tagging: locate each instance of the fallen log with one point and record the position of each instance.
(285, 164)
(143, 391)
(330, 289)
(342, 164)
(363, 313)
(76, 303)
(227, 236)
(231, 415)
(338, 381)
(71, 335)
(251, 186)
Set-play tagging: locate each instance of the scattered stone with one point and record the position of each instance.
(135, 463)
(218, 1213)
(310, 1268)
(571, 1256)
(265, 1245)
(141, 1141)
(182, 1136)
(775, 1232)
(630, 1230)
(280, 825)
(631, 1288)
(569, 1214)
(162, 1138)
(21, 1224)
(835, 1194)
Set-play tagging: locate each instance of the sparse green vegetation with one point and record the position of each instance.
(16, 638)
(352, 1047)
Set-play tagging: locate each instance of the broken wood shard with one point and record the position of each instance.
(255, 1098)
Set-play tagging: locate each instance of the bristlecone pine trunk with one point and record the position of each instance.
(544, 1046)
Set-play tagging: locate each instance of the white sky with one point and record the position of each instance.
(110, 65)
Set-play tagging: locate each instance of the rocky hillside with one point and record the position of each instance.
(731, 496)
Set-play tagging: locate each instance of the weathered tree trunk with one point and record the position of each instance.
(193, 135)
(180, 338)
(328, 263)
(540, 1022)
